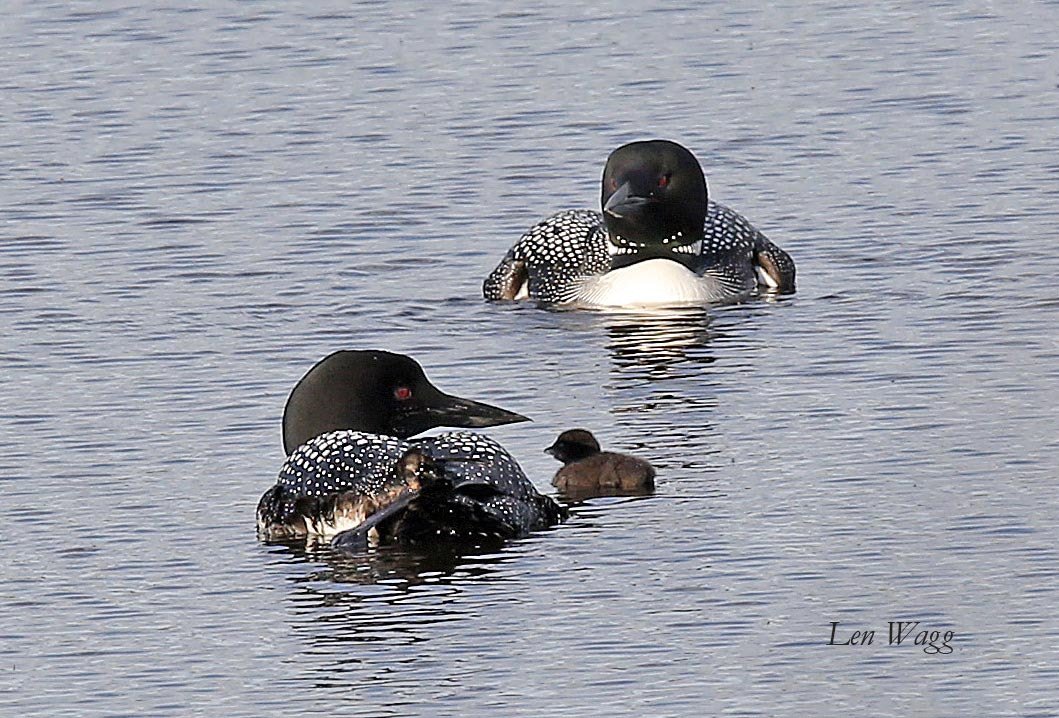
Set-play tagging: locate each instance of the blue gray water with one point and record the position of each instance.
(199, 204)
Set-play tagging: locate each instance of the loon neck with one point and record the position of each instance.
(679, 248)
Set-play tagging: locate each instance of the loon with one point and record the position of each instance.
(659, 241)
(588, 471)
(352, 471)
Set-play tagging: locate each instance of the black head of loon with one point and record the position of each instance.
(380, 393)
(654, 202)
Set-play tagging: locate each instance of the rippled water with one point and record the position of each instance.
(198, 204)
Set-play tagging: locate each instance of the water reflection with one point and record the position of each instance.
(650, 344)
(390, 595)
(660, 367)
(573, 496)
(388, 622)
(401, 566)
(381, 618)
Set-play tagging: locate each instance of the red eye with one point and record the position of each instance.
(613, 183)
(663, 180)
(401, 393)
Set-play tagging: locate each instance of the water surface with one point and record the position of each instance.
(199, 204)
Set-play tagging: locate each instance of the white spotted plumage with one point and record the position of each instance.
(341, 461)
(568, 255)
(360, 462)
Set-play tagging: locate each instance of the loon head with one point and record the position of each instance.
(574, 445)
(380, 393)
(654, 202)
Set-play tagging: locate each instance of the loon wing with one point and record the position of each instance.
(484, 474)
(331, 483)
(775, 268)
(739, 254)
(549, 261)
(510, 280)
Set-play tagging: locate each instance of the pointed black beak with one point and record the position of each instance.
(448, 410)
(623, 202)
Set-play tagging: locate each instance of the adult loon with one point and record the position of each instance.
(588, 471)
(659, 241)
(352, 471)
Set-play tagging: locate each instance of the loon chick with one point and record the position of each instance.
(658, 241)
(346, 429)
(587, 471)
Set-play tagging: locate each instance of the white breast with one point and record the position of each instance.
(651, 283)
